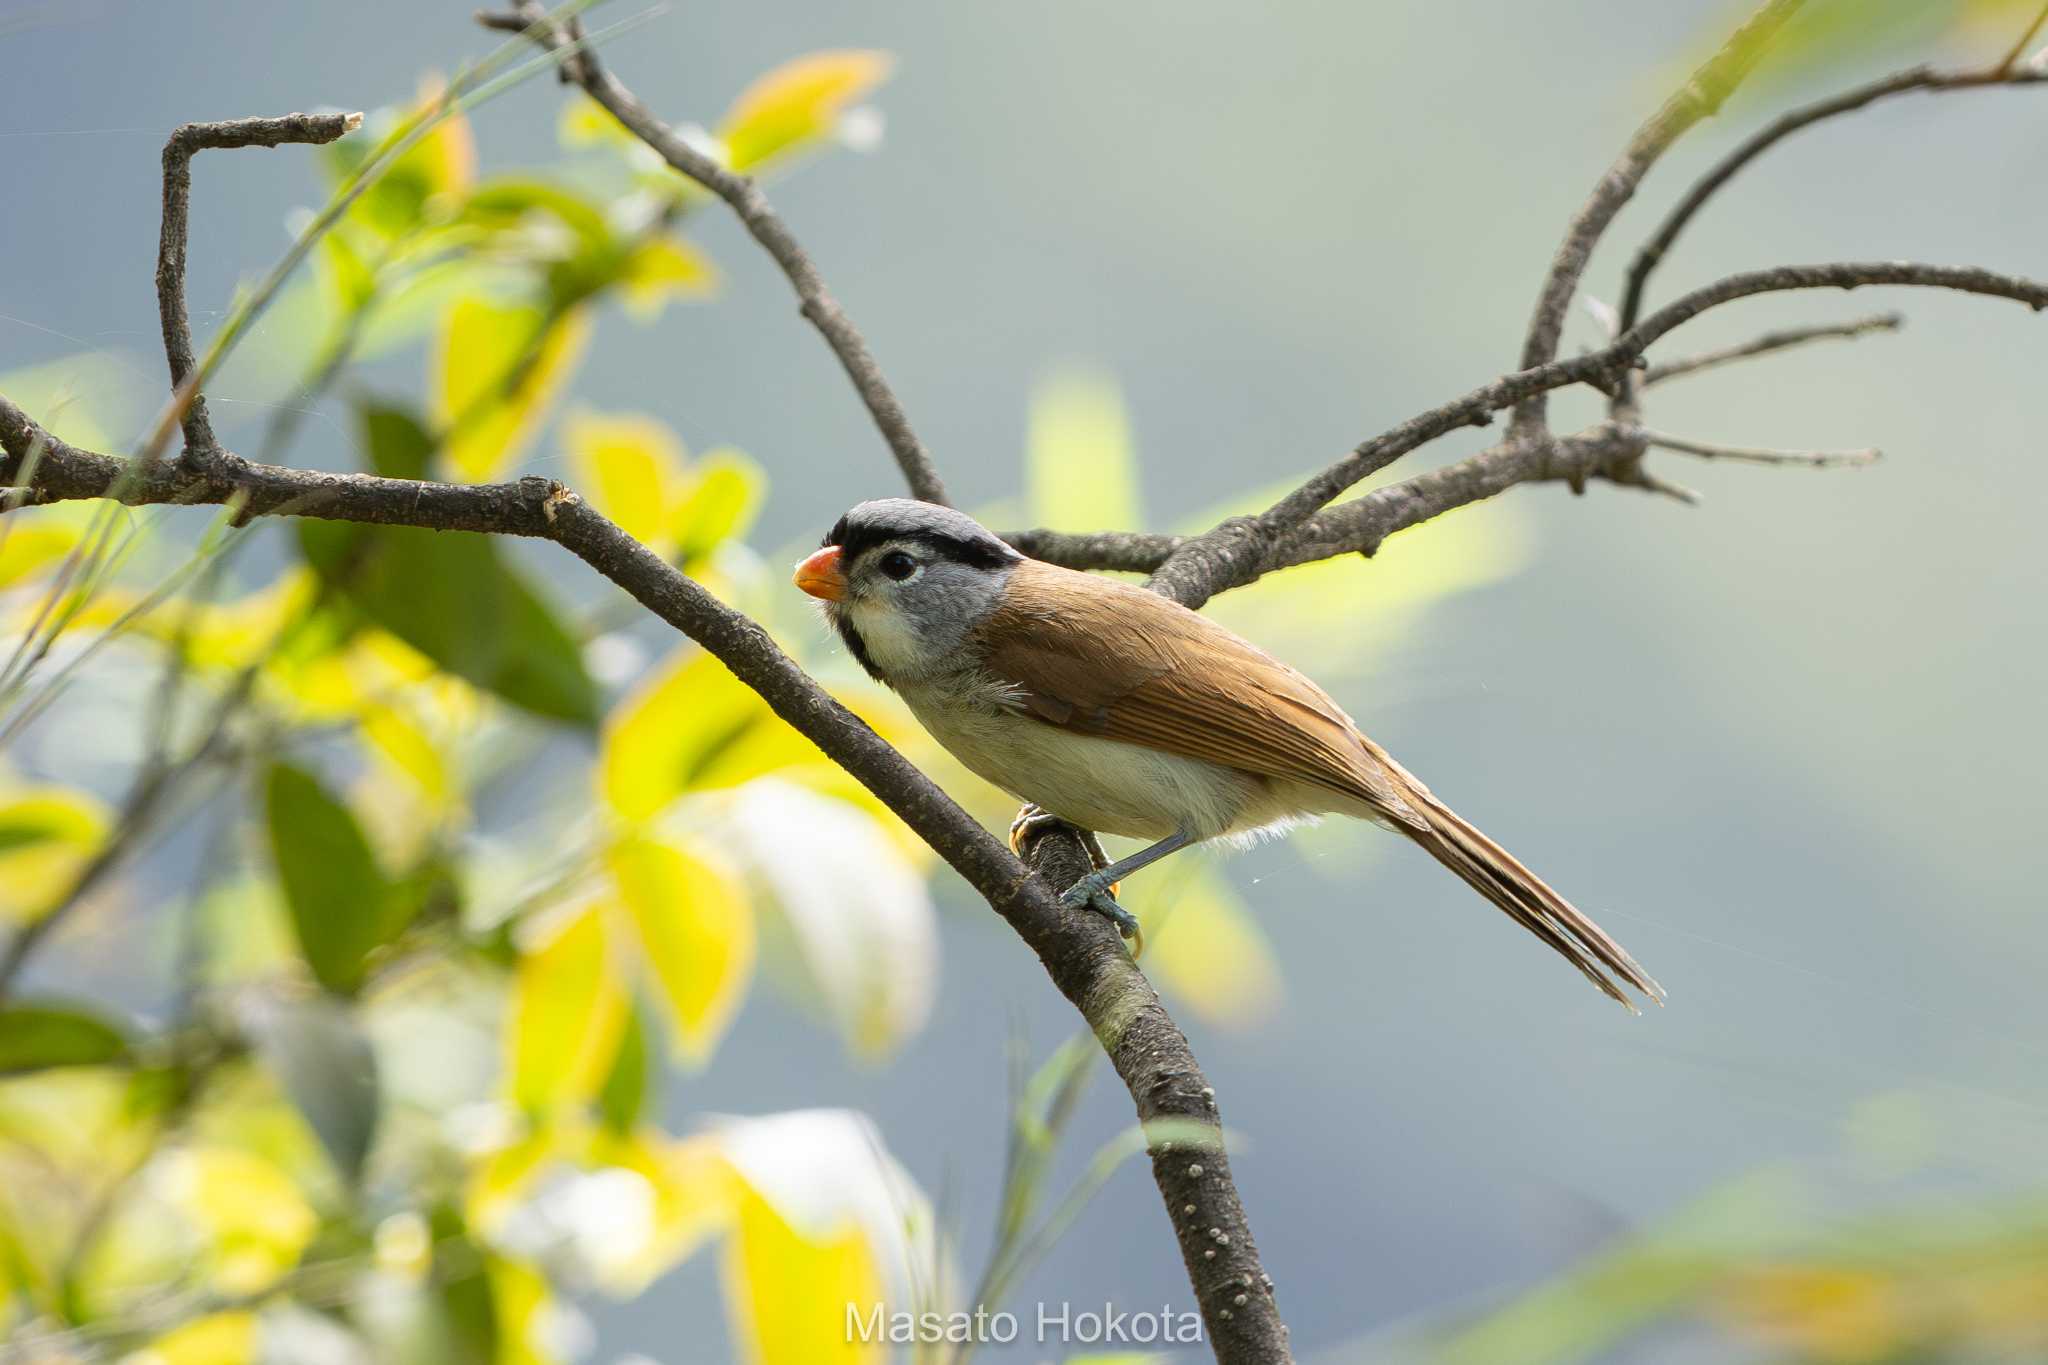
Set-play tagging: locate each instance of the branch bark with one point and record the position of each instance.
(200, 443)
(744, 197)
(1239, 551)
(1927, 78)
(1079, 949)
(1699, 98)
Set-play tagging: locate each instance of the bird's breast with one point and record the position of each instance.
(1100, 784)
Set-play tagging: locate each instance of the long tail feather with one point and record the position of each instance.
(1497, 875)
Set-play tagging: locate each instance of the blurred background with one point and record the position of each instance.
(1784, 745)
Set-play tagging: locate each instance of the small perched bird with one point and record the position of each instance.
(1118, 711)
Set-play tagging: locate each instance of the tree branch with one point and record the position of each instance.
(761, 221)
(201, 446)
(1653, 251)
(1240, 550)
(1700, 97)
(1079, 949)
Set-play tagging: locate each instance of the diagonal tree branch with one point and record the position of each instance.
(201, 446)
(1080, 950)
(581, 67)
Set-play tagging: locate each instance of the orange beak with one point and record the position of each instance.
(820, 575)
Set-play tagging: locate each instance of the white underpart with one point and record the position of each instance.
(1100, 784)
(1104, 784)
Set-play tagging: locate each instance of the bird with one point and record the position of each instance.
(1115, 710)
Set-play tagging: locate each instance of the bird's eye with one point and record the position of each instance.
(898, 565)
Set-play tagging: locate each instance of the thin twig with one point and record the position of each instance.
(761, 222)
(201, 445)
(1700, 97)
(1768, 342)
(1809, 459)
(1654, 250)
(1240, 550)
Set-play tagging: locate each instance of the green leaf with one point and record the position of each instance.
(318, 1053)
(468, 1319)
(398, 443)
(451, 596)
(34, 1037)
(339, 900)
(623, 1097)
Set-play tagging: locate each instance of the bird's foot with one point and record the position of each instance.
(1031, 822)
(1034, 821)
(1096, 892)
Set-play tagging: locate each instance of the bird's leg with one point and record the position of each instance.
(1094, 890)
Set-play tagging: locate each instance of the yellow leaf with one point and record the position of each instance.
(498, 368)
(788, 1292)
(253, 1217)
(445, 159)
(663, 269)
(1208, 949)
(499, 1180)
(216, 1339)
(1290, 613)
(584, 122)
(696, 930)
(1080, 462)
(522, 1304)
(797, 103)
(724, 495)
(694, 1195)
(691, 726)
(567, 1015)
(408, 749)
(630, 467)
(46, 836)
(30, 545)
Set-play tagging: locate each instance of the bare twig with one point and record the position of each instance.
(1700, 97)
(1654, 250)
(1240, 550)
(200, 443)
(761, 221)
(1768, 342)
(1809, 459)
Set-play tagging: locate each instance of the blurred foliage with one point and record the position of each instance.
(384, 1078)
(1829, 40)
(1757, 1264)
(405, 1094)
(484, 864)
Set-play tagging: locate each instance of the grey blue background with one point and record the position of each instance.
(1786, 745)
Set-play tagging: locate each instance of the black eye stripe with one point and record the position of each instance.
(858, 540)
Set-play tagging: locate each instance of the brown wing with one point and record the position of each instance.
(1091, 654)
(1117, 661)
